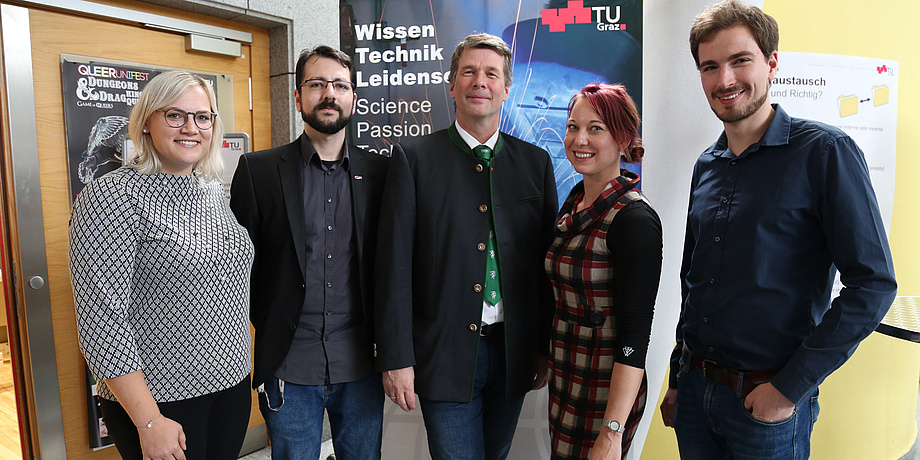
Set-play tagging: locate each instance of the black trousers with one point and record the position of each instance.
(214, 424)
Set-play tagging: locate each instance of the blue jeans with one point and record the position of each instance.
(712, 423)
(484, 427)
(294, 417)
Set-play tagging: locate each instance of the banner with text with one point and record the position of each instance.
(402, 54)
(857, 94)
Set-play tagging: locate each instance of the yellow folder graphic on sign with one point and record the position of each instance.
(879, 95)
(848, 105)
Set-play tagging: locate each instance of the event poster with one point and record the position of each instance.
(402, 53)
(98, 98)
(859, 95)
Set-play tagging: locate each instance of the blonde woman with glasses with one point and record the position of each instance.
(160, 271)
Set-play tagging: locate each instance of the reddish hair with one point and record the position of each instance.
(618, 112)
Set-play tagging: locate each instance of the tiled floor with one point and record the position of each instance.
(266, 453)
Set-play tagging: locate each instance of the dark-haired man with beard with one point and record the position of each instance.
(311, 208)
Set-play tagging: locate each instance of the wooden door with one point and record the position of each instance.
(54, 33)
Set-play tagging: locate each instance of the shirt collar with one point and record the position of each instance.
(472, 142)
(776, 134)
(308, 152)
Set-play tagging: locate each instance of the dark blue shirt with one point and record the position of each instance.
(332, 335)
(765, 231)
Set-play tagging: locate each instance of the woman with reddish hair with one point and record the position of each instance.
(604, 264)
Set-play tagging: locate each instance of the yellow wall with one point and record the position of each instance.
(868, 406)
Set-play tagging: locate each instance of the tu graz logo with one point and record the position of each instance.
(577, 13)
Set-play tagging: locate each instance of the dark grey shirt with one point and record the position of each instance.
(331, 336)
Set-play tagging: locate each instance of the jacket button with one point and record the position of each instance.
(597, 318)
(481, 246)
(473, 328)
(483, 208)
(293, 327)
(477, 287)
(478, 168)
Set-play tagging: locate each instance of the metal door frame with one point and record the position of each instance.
(30, 272)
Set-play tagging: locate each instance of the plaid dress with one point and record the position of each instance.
(580, 267)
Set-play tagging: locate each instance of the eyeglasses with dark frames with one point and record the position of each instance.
(178, 118)
(319, 85)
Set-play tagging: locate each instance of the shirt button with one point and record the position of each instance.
(328, 284)
(712, 281)
(734, 162)
(328, 256)
(718, 238)
(328, 200)
(711, 349)
(478, 168)
(293, 327)
(705, 319)
(329, 227)
(724, 200)
(477, 287)
(481, 246)
(483, 208)
(473, 328)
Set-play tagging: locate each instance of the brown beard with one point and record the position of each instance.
(746, 111)
(326, 127)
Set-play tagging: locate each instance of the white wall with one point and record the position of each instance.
(677, 126)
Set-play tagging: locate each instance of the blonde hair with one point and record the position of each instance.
(159, 93)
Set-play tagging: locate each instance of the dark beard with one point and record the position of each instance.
(751, 108)
(326, 127)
